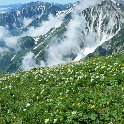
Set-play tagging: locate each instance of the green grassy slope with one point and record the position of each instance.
(89, 91)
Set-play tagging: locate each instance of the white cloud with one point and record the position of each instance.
(27, 21)
(3, 9)
(9, 40)
(3, 50)
(73, 37)
(3, 32)
(69, 44)
(28, 61)
(45, 27)
(12, 42)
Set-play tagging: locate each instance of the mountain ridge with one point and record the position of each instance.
(89, 29)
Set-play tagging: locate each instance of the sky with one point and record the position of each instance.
(7, 2)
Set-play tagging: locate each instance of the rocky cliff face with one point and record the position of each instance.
(102, 23)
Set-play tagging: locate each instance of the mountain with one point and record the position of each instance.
(85, 92)
(47, 34)
(18, 21)
(35, 11)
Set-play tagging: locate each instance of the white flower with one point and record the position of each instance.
(74, 113)
(8, 111)
(28, 104)
(97, 77)
(92, 79)
(10, 86)
(103, 67)
(42, 91)
(24, 110)
(55, 120)
(46, 120)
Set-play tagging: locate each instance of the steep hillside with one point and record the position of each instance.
(84, 92)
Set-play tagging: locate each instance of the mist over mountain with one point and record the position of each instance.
(40, 34)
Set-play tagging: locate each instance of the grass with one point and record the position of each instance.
(87, 92)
